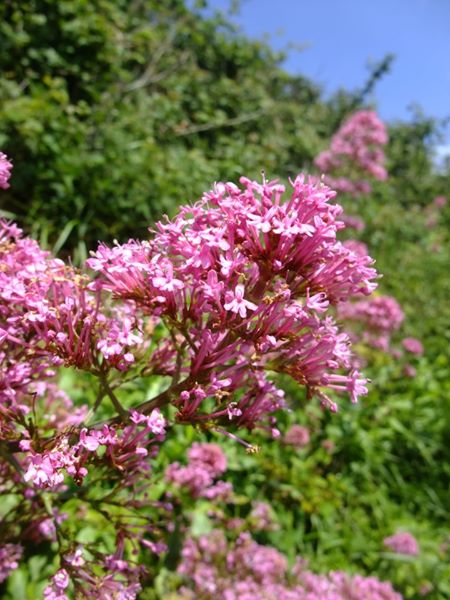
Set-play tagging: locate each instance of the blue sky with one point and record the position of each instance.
(340, 37)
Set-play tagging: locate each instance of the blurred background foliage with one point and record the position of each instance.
(116, 111)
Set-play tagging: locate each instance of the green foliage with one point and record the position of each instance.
(113, 111)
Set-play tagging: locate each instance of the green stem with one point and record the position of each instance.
(120, 409)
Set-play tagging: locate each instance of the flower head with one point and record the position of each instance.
(402, 543)
(412, 345)
(5, 171)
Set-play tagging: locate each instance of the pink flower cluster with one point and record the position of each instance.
(237, 288)
(433, 213)
(412, 345)
(125, 452)
(338, 585)
(56, 590)
(10, 554)
(355, 153)
(373, 320)
(353, 222)
(23, 282)
(357, 247)
(261, 518)
(297, 436)
(49, 318)
(244, 570)
(244, 280)
(440, 201)
(206, 462)
(120, 580)
(402, 543)
(5, 171)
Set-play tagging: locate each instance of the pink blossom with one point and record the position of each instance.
(156, 423)
(166, 281)
(46, 527)
(328, 445)
(5, 171)
(89, 441)
(61, 579)
(297, 436)
(440, 201)
(205, 463)
(409, 371)
(402, 543)
(221, 490)
(261, 517)
(75, 559)
(195, 478)
(235, 302)
(359, 248)
(426, 588)
(244, 570)
(353, 222)
(229, 261)
(45, 470)
(10, 554)
(156, 548)
(211, 456)
(412, 345)
(372, 321)
(356, 152)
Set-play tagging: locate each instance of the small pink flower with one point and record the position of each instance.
(156, 547)
(233, 410)
(59, 582)
(262, 222)
(137, 417)
(156, 422)
(328, 446)
(10, 554)
(440, 201)
(5, 171)
(409, 371)
(209, 456)
(236, 302)
(61, 579)
(317, 302)
(402, 543)
(356, 151)
(167, 282)
(413, 345)
(76, 559)
(352, 222)
(297, 436)
(88, 441)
